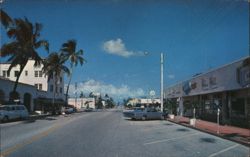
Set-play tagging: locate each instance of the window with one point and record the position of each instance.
(51, 88)
(40, 86)
(36, 85)
(61, 90)
(56, 90)
(238, 106)
(4, 73)
(36, 73)
(16, 73)
(40, 74)
(60, 79)
(26, 73)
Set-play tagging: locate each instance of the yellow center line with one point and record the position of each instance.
(35, 137)
(31, 140)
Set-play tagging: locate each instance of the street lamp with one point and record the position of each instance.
(162, 61)
(75, 94)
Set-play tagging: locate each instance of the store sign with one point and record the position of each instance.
(186, 87)
(193, 85)
(243, 75)
(204, 83)
(212, 82)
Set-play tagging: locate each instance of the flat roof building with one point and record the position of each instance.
(226, 88)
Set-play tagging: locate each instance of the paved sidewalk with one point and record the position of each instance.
(240, 135)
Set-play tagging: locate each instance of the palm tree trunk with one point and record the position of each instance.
(67, 91)
(53, 100)
(17, 78)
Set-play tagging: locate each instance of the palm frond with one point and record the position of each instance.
(5, 19)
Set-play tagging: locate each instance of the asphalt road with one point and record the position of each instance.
(108, 134)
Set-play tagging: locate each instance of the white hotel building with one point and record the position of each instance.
(34, 88)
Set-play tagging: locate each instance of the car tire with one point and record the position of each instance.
(143, 118)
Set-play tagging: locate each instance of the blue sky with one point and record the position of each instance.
(115, 35)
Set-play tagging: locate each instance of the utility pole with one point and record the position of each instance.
(75, 94)
(162, 61)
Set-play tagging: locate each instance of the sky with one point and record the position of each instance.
(122, 39)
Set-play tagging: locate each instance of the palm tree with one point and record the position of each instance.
(24, 42)
(53, 68)
(69, 52)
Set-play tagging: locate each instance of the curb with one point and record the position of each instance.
(211, 133)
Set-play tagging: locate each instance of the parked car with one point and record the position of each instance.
(145, 113)
(89, 110)
(10, 112)
(68, 110)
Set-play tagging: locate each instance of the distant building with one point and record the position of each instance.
(82, 102)
(226, 88)
(143, 102)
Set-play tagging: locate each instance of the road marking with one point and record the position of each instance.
(170, 139)
(31, 140)
(10, 150)
(224, 150)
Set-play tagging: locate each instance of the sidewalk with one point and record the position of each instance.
(240, 135)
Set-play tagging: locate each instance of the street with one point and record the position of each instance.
(109, 134)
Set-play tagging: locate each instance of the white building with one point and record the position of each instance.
(143, 101)
(34, 89)
(34, 76)
(82, 102)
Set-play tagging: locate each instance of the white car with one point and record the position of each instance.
(10, 112)
(68, 110)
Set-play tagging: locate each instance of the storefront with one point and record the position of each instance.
(225, 89)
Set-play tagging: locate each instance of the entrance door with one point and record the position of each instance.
(27, 101)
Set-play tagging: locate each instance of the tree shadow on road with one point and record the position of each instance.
(208, 140)
(184, 130)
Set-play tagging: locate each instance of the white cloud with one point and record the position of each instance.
(118, 93)
(171, 76)
(117, 47)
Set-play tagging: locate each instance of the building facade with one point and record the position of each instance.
(226, 88)
(143, 101)
(82, 102)
(40, 91)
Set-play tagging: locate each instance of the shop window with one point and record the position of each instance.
(51, 88)
(238, 105)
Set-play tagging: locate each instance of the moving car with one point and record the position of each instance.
(144, 114)
(10, 112)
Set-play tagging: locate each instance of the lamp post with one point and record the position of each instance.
(162, 61)
(75, 94)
